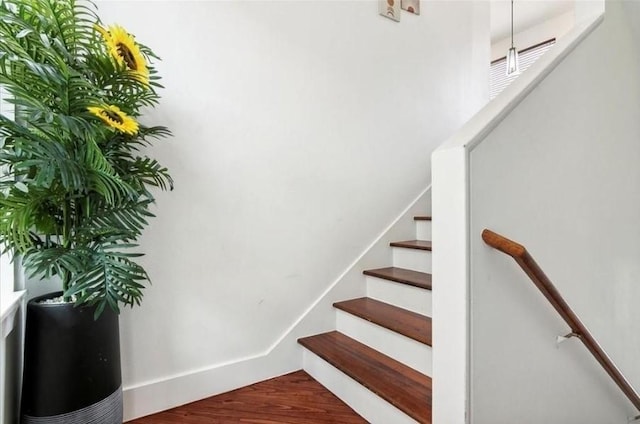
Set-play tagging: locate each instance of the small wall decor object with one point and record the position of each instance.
(411, 6)
(390, 9)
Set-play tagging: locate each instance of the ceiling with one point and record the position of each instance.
(526, 13)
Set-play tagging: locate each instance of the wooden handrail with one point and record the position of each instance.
(533, 270)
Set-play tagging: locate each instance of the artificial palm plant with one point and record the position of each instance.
(75, 190)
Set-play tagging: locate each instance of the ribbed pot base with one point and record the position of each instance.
(107, 411)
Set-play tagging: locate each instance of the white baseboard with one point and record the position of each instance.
(162, 394)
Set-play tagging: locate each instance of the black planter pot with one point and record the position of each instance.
(71, 365)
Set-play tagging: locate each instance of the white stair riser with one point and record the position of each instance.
(401, 295)
(366, 403)
(423, 230)
(415, 259)
(403, 349)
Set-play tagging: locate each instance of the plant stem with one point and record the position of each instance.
(66, 278)
(66, 275)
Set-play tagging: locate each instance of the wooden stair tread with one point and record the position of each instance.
(422, 218)
(402, 321)
(401, 275)
(413, 244)
(403, 387)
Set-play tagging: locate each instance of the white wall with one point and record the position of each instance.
(301, 130)
(560, 174)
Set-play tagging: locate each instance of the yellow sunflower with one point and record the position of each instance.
(125, 51)
(115, 118)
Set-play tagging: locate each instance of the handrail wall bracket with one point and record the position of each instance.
(562, 339)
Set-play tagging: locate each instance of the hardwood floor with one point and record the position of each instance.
(294, 398)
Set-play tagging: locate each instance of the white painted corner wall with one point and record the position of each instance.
(302, 128)
(551, 163)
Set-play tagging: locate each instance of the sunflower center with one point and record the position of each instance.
(127, 56)
(113, 116)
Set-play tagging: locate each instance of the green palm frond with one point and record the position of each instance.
(151, 173)
(75, 188)
(111, 278)
(46, 263)
(102, 177)
(126, 220)
(30, 215)
(121, 88)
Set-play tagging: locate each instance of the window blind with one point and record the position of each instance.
(498, 80)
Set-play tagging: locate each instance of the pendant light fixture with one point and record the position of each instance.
(513, 64)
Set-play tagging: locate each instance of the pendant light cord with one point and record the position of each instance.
(511, 23)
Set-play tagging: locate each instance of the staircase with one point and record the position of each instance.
(379, 359)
